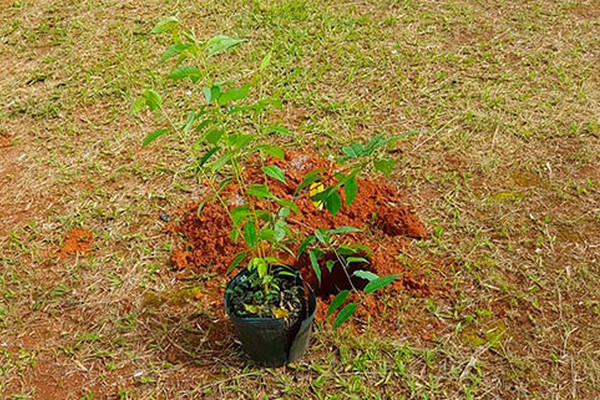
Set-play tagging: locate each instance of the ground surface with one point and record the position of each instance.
(504, 172)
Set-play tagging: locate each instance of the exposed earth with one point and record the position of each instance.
(385, 217)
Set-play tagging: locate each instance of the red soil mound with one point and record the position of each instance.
(384, 215)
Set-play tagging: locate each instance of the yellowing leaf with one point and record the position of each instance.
(314, 189)
(280, 313)
(250, 308)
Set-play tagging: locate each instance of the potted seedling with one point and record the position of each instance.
(270, 305)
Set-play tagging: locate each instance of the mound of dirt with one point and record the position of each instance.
(385, 216)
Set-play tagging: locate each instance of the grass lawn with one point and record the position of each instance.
(504, 170)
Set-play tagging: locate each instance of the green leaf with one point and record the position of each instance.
(264, 215)
(355, 150)
(266, 61)
(186, 71)
(272, 150)
(281, 229)
(322, 194)
(272, 260)
(277, 129)
(375, 143)
(285, 248)
(368, 275)
(270, 235)
(337, 301)
(153, 99)
(223, 184)
(189, 122)
(200, 207)
(315, 264)
(220, 43)
(213, 136)
(361, 260)
(152, 136)
(239, 214)
(261, 267)
(385, 166)
(206, 157)
(330, 264)
(341, 177)
(167, 24)
(345, 229)
(207, 94)
(334, 202)
(174, 50)
(233, 95)
(261, 192)
(350, 190)
(212, 94)
(322, 235)
(307, 240)
(234, 235)
(378, 283)
(250, 234)
(349, 250)
(240, 140)
(274, 172)
(309, 178)
(220, 162)
(203, 124)
(237, 260)
(344, 314)
(286, 273)
(284, 212)
(137, 105)
(280, 232)
(289, 204)
(250, 308)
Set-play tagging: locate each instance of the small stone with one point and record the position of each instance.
(165, 217)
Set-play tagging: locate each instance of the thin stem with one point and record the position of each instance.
(344, 267)
(205, 177)
(242, 183)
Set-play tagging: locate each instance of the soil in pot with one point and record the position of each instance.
(267, 340)
(287, 302)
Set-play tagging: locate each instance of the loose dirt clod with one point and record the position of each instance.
(76, 241)
(384, 215)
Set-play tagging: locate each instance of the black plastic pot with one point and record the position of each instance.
(268, 341)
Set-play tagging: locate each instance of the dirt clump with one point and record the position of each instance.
(384, 215)
(76, 241)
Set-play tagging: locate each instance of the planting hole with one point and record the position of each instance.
(334, 281)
